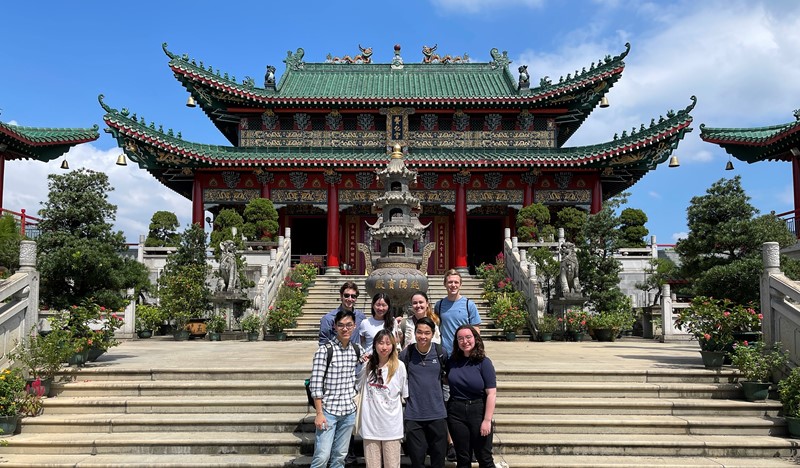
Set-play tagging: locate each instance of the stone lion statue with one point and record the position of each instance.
(568, 276)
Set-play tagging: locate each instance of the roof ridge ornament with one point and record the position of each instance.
(295, 61)
(166, 51)
(796, 114)
(499, 60)
(105, 106)
(364, 57)
(428, 56)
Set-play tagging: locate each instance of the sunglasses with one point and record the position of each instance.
(349, 296)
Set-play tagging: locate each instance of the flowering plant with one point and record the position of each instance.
(756, 361)
(746, 318)
(576, 320)
(710, 321)
(280, 318)
(12, 392)
(507, 313)
(32, 404)
(217, 323)
(789, 393)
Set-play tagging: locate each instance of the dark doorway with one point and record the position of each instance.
(484, 241)
(309, 236)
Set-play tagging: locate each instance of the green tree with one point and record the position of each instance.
(182, 289)
(632, 221)
(261, 220)
(656, 274)
(224, 223)
(9, 242)
(547, 268)
(530, 222)
(163, 230)
(722, 253)
(79, 254)
(599, 270)
(572, 220)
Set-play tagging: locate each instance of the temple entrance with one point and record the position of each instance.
(484, 240)
(309, 235)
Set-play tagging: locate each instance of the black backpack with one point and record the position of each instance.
(439, 355)
(329, 348)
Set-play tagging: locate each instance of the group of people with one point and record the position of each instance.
(424, 378)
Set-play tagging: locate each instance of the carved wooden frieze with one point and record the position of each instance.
(482, 197)
(299, 196)
(563, 197)
(230, 196)
(312, 138)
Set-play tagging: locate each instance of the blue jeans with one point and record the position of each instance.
(332, 442)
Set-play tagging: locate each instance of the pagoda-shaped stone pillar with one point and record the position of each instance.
(399, 271)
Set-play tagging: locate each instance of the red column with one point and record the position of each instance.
(2, 177)
(597, 196)
(461, 227)
(265, 191)
(796, 185)
(527, 197)
(333, 229)
(197, 202)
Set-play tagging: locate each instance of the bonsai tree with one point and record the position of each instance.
(183, 291)
(163, 230)
(224, 224)
(632, 221)
(572, 220)
(79, 254)
(530, 222)
(261, 220)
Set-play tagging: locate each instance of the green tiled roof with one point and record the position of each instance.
(643, 149)
(336, 83)
(756, 143)
(44, 144)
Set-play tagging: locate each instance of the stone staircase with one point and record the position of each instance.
(244, 416)
(323, 296)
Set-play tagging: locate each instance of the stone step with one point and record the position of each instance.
(297, 404)
(202, 421)
(213, 443)
(276, 461)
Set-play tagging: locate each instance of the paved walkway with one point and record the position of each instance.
(627, 353)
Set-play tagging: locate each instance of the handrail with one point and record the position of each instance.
(28, 225)
(779, 296)
(19, 295)
(523, 276)
(273, 273)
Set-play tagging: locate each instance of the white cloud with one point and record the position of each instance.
(654, 194)
(679, 235)
(478, 6)
(136, 193)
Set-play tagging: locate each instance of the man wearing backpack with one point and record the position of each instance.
(348, 295)
(333, 386)
(455, 310)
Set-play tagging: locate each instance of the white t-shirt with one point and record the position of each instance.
(366, 332)
(381, 405)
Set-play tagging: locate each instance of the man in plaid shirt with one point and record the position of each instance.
(333, 390)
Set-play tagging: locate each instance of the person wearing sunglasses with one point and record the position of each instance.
(348, 295)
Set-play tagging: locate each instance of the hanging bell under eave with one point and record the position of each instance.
(729, 166)
(673, 161)
(121, 161)
(603, 102)
(64, 164)
(190, 102)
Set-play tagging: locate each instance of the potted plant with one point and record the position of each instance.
(216, 325)
(757, 363)
(710, 321)
(41, 356)
(547, 325)
(12, 396)
(279, 319)
(508, 315)
(789, 393)
(148, 318)
(252, 325)
(607, 325)
(576, 322)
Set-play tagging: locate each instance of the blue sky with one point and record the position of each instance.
(738, 57)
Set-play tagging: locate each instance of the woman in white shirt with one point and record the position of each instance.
(381, 319)
(420, 307)
(385, 384)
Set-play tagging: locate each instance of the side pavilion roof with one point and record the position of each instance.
(43, 144)
(773, 143)
(470, 85)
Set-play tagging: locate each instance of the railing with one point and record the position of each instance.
(780, 298)
(273, 273)
(19, 301)
(789, 218)
(28, 225)
(523, 275)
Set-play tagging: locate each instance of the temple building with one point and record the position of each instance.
(483, 140)
(756, 144)
(39, 143)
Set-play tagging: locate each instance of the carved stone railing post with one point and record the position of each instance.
(27, 255)
(771, 257)
(667, 314)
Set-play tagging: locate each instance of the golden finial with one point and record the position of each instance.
(397, 152)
